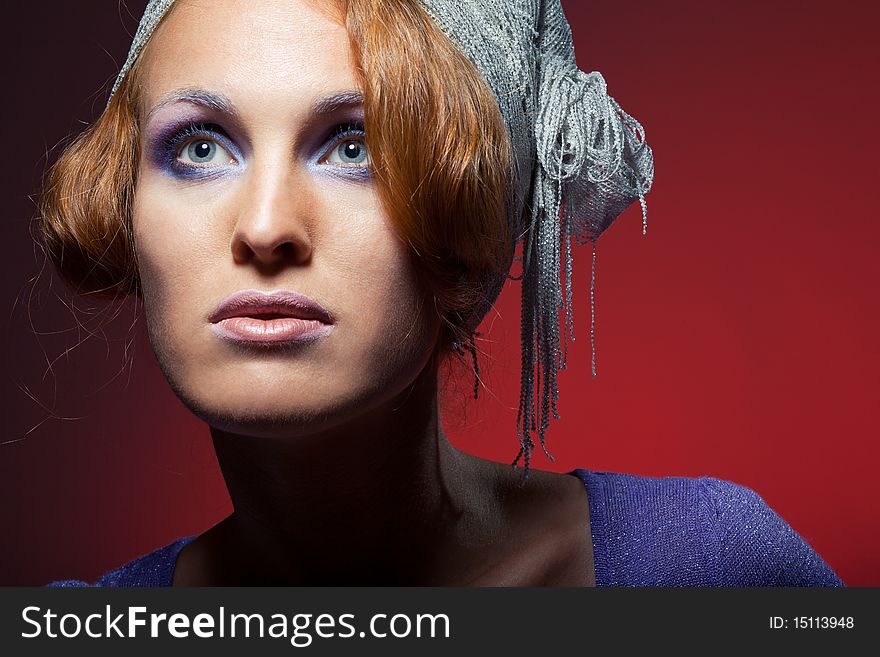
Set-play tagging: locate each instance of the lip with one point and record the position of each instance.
(270, 318)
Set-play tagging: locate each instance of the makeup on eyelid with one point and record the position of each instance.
(166, 147)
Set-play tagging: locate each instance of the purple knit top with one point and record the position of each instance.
(647, 531)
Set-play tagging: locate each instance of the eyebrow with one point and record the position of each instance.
(220, 103)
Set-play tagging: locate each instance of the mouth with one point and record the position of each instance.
(270, 318)
(258, 315)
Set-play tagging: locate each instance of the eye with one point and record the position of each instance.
(349, 146)
(352, 151)
(203, 151)
(196, 148)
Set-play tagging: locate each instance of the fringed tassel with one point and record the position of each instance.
(594, 163)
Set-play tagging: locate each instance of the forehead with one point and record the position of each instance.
(261, 53)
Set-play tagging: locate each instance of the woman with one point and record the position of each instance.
(318, 203)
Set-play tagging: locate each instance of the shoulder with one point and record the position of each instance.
(153, 569)
(694, 531)
(754, 545)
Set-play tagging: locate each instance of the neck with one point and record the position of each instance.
(383, 498)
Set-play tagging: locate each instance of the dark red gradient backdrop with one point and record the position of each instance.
(738, 339)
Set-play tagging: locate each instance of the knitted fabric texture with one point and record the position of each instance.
(580, 161)
(646, 531)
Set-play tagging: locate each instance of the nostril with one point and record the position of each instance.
(286, 249)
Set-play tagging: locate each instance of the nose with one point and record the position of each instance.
(274, 225)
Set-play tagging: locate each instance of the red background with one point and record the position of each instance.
(737, 339)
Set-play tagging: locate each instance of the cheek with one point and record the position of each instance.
(382, 294)
(172, 243)
(152, 244)
(172, 263)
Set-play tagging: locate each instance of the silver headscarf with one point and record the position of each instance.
(580, 161)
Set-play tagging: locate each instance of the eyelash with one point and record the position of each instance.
(175, 142)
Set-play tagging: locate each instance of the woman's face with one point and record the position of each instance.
(253, 176)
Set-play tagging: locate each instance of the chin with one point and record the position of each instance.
(253, 420)
(279, 412)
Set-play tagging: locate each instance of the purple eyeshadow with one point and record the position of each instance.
(164, 146)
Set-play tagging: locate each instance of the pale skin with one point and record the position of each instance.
(334, 455)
